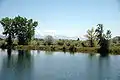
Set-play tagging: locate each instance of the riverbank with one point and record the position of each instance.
(113, 50)
(57, 48)
(61, 45)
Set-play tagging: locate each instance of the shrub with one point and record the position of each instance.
(72, 48)
(60, 42)
(49, 40)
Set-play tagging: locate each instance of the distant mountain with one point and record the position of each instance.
(61, 37)
(65, 37)
(55, 37)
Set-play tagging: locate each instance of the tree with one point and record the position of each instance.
(20, 27)
(78, 39)
(91, 36)
(116, 40)
(25, 29)
(9, 29)
(103, 39)
(49, 40)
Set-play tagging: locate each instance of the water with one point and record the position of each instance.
(41, 65)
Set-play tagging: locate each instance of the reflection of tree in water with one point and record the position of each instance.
(17, 67)
(98, 68)
(38, 51)
(9, 53)
(72, 53)
(104, 68)
(49, 52)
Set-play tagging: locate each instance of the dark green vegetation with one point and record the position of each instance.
(20, 28)
(20, 35)
(103, 39)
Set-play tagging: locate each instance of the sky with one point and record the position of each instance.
(65, 17)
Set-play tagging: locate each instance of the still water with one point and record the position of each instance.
(41, 65)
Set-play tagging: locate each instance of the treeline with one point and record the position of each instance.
(20, 31)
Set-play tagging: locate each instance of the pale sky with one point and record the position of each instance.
(65, 17)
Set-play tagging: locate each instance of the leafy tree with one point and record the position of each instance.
(91, 36)
(25, 29)
(103, 39)
(9, 29)
(49, 40)
(78, 39)
(20, 27)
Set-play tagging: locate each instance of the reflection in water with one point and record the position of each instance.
(9, 52)
(98, 68)
(38, 51)
(58, 67)
(17, 67)
(49, 52)
(72, 53)
(103, 68)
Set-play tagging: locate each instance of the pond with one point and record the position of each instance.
(42, 65)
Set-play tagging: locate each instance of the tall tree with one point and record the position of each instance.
(91, 36)
(20, 27)
(25, 29)
(9, 29)
(103, 39)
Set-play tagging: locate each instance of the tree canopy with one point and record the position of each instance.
(25, 29)
(49, 40)
(20, 27)
(91, 36)
(103, 39)
(9, 29)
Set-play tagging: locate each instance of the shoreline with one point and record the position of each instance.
(92, 50)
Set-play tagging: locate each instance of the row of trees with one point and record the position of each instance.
(19, 27)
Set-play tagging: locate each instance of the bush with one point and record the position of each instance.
(49, 40)
(60, 42)
(72, 48)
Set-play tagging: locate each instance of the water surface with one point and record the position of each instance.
(42, 65)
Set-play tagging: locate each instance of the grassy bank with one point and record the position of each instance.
(57, 48)
(113, 50)
(62, 45)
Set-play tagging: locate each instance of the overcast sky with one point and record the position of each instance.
(65, 17)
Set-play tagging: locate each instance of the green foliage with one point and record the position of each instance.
(60, 42)
(91, 36)
(19, 27)
(25, 29)
(9, 29)
(103, 39)
(72, 48)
